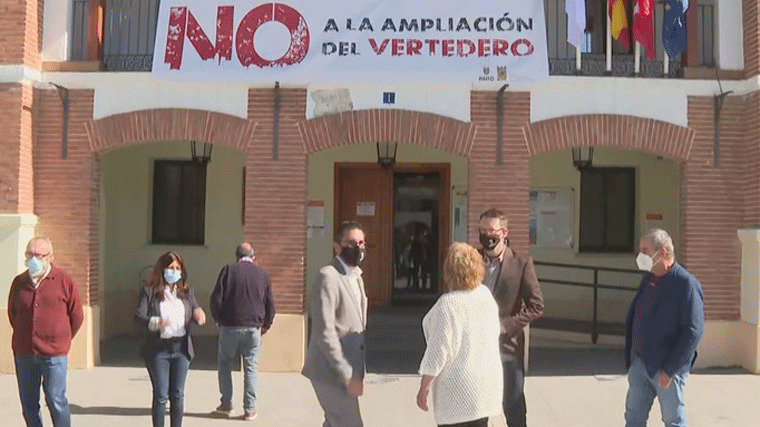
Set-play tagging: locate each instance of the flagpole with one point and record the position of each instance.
(666, 63)
(637, 59)
(609, 43)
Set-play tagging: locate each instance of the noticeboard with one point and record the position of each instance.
(551, 217)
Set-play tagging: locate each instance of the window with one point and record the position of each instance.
(608, 205)
(179, 202)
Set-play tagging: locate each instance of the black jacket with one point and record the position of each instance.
(149, 306)
(242, 297)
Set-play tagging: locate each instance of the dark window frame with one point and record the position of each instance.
(606, 247)
(194, 233)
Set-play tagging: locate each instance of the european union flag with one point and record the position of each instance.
(674, 28)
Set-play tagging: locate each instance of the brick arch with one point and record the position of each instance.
(402, 126)
(609, 130)
(169, 124)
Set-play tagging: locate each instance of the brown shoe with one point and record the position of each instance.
(250, 416)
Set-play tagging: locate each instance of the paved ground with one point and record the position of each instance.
(569, 385)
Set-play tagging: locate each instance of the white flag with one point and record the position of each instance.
(576, 21)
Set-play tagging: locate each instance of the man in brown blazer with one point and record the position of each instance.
(512, 280)
(335, 360)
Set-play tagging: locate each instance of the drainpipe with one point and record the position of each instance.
(63, 93)
(500, 125)
(276, 123)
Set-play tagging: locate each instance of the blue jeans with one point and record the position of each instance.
(642, 391)
(234, 342)
(31, 371)
(168, 371)
(514, 398)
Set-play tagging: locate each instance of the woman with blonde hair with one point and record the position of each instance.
(461, 361)
(167, 311)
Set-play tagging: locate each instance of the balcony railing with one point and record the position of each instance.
(597, 58)
(79, 17)
(706, 50)
(130, 32)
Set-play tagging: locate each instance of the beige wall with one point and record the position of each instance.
(730, 344)
(657, 190)
(128, 255)
(321, 180)
(15, 232)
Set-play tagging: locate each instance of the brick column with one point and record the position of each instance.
(711, 205)
(751, 37)
(16, 187)
(507, 186)
(275, 212)
(67, 194)
(275, 219)
(21, 37)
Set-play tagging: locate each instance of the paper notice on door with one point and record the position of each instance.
(315, 232)
(365, 209)
(315, 219)
(315, 213)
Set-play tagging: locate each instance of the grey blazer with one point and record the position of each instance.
(336, 349)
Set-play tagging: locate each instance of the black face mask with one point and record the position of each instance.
(351, 255)
(488, 242)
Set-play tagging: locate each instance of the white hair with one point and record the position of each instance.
(661, 239)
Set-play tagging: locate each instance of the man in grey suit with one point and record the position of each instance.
(335, 358)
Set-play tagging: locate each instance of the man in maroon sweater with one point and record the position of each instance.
(45, 312)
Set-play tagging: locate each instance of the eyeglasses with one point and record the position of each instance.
(355, 243)
(36, 255)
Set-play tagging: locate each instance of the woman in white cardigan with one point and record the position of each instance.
(461, 361)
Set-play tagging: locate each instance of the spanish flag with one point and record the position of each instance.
(619, 22)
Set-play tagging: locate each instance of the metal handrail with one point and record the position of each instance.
(595, 286)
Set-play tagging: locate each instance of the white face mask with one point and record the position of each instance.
(645, 262)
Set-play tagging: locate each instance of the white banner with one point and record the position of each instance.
(358, 41)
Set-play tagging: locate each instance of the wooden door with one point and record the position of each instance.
(363, 192)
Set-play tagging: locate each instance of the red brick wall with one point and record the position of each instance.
(712, 205)
(275, 214)
(168, 125)
(751, 168)
(66, 190)
(712, 202)
(627, 132)
(751, 37)
(16, 190)
(402, 126)
(130, 128)
(21, 35)
(506, 186)
(10, 117)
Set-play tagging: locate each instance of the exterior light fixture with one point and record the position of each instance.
(582, 157)
(203, 158)
(386, 160)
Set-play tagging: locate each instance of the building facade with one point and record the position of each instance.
(98, 155)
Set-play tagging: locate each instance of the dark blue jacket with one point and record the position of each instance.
(242, 297)
(675, 325)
